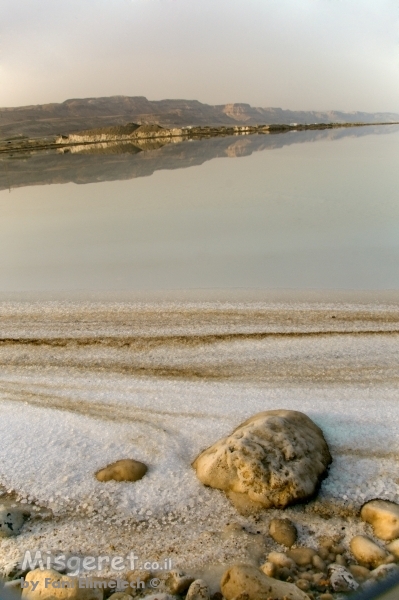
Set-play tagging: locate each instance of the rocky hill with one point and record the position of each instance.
(87, 113)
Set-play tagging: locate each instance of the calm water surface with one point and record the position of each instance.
(303, 210)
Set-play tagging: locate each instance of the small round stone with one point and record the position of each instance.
(340, 560)
(302, 584)
(283, 531)
(301, 556)
(318, 563)
(269, 569)
(126, 469)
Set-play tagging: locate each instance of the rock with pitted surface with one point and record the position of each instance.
(273, 459)
(383, 516)
(246, 581)
(126, 469)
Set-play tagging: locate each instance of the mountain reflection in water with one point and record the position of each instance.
(122, 161)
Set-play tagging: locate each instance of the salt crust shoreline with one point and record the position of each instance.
(66, 411)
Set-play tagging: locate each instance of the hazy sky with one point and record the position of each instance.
(299, 54)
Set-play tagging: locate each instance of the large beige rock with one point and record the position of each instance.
(367, 552)
(384, 518)
(273, 459)
(123, 470)
(58, 587)
(255, 585)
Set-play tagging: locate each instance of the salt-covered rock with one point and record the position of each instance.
(178, 582)
(273, 459)
(283, 531)
(341, 579)
(367, 552)
(384, 518)
(198, 590)
(122, 470)
(280, 559)
(301, 556)
(11, 521)
(58, 587)
(255, 585)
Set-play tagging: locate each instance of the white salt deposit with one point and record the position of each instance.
(68, 409)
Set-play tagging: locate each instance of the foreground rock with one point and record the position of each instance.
(11, 521)
(367, 552)
(123, 470)
(59, 587)
(273, 459)
(254, 585)
(384, 518)
(283, 531)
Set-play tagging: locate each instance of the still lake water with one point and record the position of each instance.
(298, 210)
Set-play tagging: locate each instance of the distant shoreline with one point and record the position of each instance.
(137, 134)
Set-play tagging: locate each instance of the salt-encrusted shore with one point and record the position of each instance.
(85, 384)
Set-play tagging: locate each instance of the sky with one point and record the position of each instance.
(295, 54)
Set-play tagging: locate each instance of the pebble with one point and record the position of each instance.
(318, 563)
(178, 582)
(246, 581)
(301, 556)
(341, 579)
(123, 470)
(11, 521)
(383, 516)
(383, 571)
(269, 569)
(340, 560)
(302, 584)
(281, 560)
(366, 552)
(120, 596)
(359, 572)
(326, 597)
(283, 531)
(47, 592)
(393, 548)
(198, 590)
(323, 553)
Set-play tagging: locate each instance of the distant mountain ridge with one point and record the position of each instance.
(76, 114)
